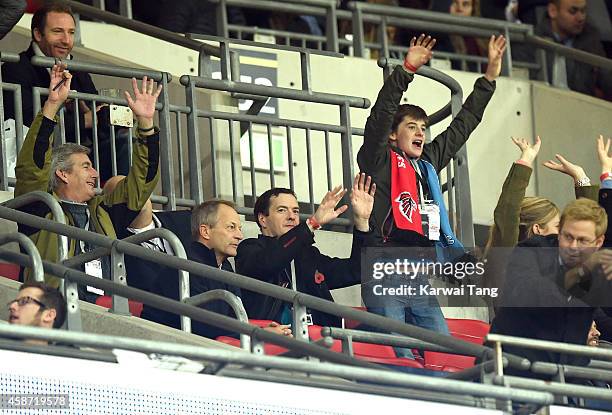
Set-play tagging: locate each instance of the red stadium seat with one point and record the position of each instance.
(107, 301)
(351, 324)
(10, 271)
(383, 354)
(473, 331)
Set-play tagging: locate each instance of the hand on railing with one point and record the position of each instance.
(497, 47)
(282, 329)
(528, 152)
(419, 53)
(362, 201)
(603, 154)
(59, 86)
(575, 171)
(143, 104)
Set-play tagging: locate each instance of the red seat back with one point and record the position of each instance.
(473, 331)
(10, 271)
(107, 301)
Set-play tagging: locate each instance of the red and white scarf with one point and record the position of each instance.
(404, 194)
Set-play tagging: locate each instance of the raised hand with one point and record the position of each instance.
(528, 152)
(143, 104)
(327, 209)
(59, 87)
(362, 200)
(497, 47)
(575, 171)
(419, 53)
(603, 151)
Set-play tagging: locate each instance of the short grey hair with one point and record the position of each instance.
(206, 214)
(60, 160)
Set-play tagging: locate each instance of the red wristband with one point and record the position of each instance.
(409, 67)
(313, 223)
(605, 176)
(523, 162)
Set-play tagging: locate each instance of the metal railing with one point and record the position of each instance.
(28, 246)
(7, 57)
(334, 370)
(382, 17)
(558, 372)
(344, 130)
(205, 51)
(300, 301)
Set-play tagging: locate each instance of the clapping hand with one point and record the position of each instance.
(327, 209)
(362, 200)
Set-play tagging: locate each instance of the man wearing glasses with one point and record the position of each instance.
(553, 283)
(37, 305)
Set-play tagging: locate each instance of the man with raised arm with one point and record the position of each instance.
(409, 209)
(68, 174)
(284, 240)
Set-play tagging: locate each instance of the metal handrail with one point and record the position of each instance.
(143, 28)
(268, 46)
(572, 53)
(575, 349)
(9, 57)
(195, 313)
(232, 300)
(294, 365)
(563, 389)
(27, 245)
(100, 68)
(284, 294)
(437, 17)
(54, 207)
(381, 338)
(275, 92)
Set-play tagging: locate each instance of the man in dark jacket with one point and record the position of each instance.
(553, 282)
(566, 24)
(53, 28)
(215, 233)
(285, 240)
(405, 169)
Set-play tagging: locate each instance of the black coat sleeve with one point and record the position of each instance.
(344, 272)
(264, 258)
(374, 150)
(446, 145)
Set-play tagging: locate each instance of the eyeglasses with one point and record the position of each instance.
(26, 300)
(581, 242)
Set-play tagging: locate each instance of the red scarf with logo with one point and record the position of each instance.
(404, 194)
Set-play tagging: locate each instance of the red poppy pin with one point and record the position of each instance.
(319, 278)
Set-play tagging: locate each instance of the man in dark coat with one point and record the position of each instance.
(553, 282)
(566, 24)
(53, 28)
(284, 240)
